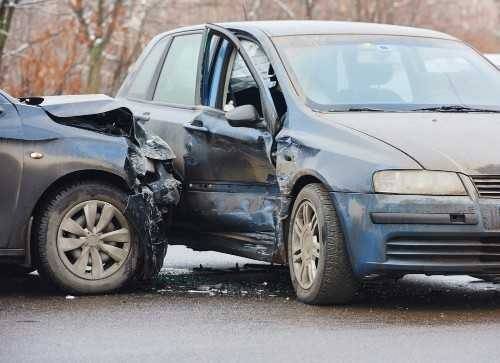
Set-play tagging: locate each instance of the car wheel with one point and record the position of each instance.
(86, 245)
(320, 268)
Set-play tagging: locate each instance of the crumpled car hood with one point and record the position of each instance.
(74, 105)
(104, 114)
(467, 143)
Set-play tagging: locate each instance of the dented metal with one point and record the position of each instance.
(142, 160)
(152, 201)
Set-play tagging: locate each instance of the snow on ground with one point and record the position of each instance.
(181, 259)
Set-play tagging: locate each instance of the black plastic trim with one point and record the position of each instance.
(424, 218)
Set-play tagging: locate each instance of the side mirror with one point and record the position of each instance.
(243, 116)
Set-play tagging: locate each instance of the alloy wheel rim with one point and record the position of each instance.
(93, 240)
(305, 244)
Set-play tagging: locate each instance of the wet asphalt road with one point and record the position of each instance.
(220, 313)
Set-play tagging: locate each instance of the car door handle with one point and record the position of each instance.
(196, 125)
(145, 117)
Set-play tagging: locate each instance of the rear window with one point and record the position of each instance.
(142, 81)
(177, 82)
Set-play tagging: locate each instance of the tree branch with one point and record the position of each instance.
(285, 8)
(77, 8)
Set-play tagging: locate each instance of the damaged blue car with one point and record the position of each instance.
(344, 150)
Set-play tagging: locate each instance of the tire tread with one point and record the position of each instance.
(41, 225)
(338, 285)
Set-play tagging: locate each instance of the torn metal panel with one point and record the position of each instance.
(153, 199)
(280, 254)
(148, 209)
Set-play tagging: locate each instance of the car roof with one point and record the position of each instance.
(278, 28)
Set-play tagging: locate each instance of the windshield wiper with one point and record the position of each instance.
(453, 108)
(358, 109)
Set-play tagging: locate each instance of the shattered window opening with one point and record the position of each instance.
(242, 89)
(242, 79)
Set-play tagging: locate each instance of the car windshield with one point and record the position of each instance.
(390, 73)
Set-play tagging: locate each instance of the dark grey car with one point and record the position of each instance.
(345, 150)
(83, 192)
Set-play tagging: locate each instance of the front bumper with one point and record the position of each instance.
(397, 234)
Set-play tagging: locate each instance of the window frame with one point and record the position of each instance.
(197, 100)
(207, 64)
(223, 74)
(154, 81)
(228, 67)
(156, 73)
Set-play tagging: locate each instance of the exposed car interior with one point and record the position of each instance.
(238, 87)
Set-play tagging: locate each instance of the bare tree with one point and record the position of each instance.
(375, 11)
(7, 8)
(61, 46)
(133, 36)
(286, 8)
(309, 7)
(251, 9)
(97, 23)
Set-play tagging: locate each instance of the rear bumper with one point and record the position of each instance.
(420, 234)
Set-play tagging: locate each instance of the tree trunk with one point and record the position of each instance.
(7, 8)
(309, 4)
(95, 65)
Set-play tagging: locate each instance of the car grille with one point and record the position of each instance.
(434, 249)
(487, 186)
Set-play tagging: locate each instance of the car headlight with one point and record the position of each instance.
(420, 182)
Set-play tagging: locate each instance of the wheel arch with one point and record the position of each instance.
(304, 178)
(300, 180)
(68, 179)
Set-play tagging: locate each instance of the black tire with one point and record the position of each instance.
(46, 227)
(334, 281)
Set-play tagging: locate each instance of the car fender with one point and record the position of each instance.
(50, 157)
(342, 158)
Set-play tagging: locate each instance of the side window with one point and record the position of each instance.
(140, 85)
(242, 89)
(177, 82)
(229, 82)
(259, 60)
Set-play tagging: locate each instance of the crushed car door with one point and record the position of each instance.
(11, 166)
(232, 191)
